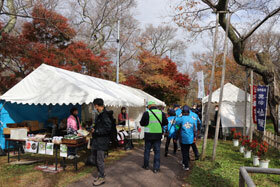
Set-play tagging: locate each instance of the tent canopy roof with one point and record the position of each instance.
(231, 94)
(51, 85)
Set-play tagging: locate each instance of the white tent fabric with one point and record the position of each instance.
(51, 85)
(232, 108)
(231, 94)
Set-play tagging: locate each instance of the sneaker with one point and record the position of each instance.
(77, 156)
(156, 170)
(99, 181)
(71, 157)
(145, 167)
(186, 168)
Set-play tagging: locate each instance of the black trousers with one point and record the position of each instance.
(195, 150)
(174, 144)
(185, 149)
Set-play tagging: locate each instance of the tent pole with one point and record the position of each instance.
(218, 123)
(3, 106)
(203, 152)
(251, 108)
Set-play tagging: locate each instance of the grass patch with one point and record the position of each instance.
(26, 175)
(269, 126)
(225, 171)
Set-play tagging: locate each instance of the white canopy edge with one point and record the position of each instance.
(48, 85)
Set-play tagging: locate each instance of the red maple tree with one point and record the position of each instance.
(48, 39)
(159, 77)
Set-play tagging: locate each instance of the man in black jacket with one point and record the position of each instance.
(100, 138)
(153, 120)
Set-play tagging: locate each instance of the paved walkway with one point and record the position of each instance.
(128, 172)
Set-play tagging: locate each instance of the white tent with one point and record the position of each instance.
(51, 85)
(48, 85)
(232, 108)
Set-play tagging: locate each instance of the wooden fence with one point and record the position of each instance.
(272, 139)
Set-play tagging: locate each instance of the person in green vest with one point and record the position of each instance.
(153, 120)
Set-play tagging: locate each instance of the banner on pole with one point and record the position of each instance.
(200, 79)
(261, 106)
(254, 111)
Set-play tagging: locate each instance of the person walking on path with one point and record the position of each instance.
(100, 139)
(187, 134)
(170, 132)
(197, 124)
(153, 120)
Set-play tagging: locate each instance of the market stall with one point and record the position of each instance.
(233, 107)
(49, 92)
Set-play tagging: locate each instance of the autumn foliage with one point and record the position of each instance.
(48, 39)
(159, 77)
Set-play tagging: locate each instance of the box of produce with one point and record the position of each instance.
(73, 139)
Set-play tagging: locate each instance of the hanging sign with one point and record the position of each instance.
(261, 106)
(63, 150)
(49, 149)
(200, 79)
(31, 146)
(254, 104)
(42, 148)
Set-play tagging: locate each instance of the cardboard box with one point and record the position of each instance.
(7, 131)
(33, 125)
(12, 125)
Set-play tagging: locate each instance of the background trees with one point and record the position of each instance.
(249, 17)
(80, 35)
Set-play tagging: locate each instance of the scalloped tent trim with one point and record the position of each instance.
(48, 85)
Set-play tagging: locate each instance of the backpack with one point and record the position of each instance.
(113, 132)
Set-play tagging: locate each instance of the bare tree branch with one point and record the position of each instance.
(262, 22)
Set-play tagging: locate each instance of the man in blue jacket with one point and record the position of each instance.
(187, 134)
(170, 132)
(197, 123)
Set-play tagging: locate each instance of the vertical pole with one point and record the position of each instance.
(221, 90)
(203, 152)
(246, 100)
(251, 107)
(118, 53)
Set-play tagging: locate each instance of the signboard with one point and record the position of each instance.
(31, 146)
(42, 148)
(254, 104)
(200, 79)
(49, 149)
(63, 150)
(261, 107)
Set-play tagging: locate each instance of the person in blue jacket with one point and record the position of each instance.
(187, 134)
(178, 110)
(197, 123)
(170, 132)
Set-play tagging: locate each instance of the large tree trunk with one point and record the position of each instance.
(262, 65)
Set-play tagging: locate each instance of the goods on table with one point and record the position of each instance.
(37, 137)
(83, 132)
(73, 139)
(57, 139)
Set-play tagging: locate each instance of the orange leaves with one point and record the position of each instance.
(159, 77)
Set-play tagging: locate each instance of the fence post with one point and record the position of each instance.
(241, 180)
